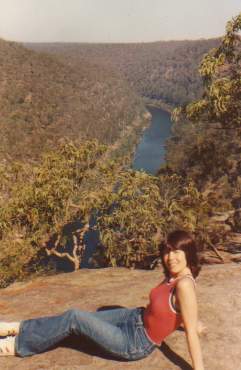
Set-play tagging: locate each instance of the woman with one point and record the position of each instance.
(129, 334)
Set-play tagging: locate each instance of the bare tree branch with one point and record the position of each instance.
(216, 251)
(78, 247)
(60, 254)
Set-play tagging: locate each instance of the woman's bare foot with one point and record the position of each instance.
(7, 346)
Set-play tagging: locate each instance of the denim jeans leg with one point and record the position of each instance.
(38, 335)
(120, 332)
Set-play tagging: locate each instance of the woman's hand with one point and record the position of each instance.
(201, 328)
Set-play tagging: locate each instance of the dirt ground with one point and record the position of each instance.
(219, 296)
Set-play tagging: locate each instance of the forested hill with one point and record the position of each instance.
(165, 70)
(43, 99)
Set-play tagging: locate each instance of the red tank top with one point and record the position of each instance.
(160, 317)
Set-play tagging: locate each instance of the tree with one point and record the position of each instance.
(220, 70)
(207, 133)
(206, 144)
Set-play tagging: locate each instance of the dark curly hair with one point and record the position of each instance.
(180, 239)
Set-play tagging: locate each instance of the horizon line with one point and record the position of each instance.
(111, 42)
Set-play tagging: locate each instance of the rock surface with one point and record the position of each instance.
(219, 296)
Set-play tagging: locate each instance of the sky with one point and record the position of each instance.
(114, 20)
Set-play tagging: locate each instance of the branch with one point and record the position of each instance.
(74, 205)
(227, 212)
(216, 251)
(60, 254)
(235, 238)
(78, 248)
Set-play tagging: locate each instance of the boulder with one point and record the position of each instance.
(219, 296)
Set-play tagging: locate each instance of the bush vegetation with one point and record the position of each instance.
(38, 202)
(130, 208)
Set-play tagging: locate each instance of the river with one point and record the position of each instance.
(150, 153)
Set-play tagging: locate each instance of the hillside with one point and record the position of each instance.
(43, 100)
(164, 70)
(82, 289)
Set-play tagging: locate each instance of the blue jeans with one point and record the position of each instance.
(118, 331)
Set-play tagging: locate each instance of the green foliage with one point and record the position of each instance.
(44, 199)
(206, 143)
(75, 181)
(220, 70)
(39, 202)
(140, 207)
(128, 220)
(16, 254)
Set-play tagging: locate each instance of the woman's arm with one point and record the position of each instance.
(186, 297)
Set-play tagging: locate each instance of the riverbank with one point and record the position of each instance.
(92, 289)
(126, 145)
(158, 104)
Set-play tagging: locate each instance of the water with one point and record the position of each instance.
(150, 153)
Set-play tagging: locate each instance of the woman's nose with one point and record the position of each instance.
(170, 254)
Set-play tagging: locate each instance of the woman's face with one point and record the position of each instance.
(175, 261)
